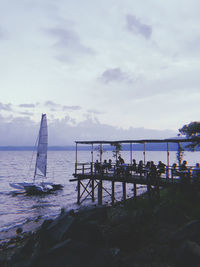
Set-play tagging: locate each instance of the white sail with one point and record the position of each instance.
(41, 160)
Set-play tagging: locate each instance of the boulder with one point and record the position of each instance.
(190, 231)
(88, 232)
(188, 254)
(67, 253)
(98, 214)
(55, 231)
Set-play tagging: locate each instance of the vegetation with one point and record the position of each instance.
(192, 130)
(117, 150)
(180, 153)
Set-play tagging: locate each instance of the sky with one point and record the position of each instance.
(109, 69)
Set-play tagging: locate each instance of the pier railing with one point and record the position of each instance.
(90, 176)
(89, 168)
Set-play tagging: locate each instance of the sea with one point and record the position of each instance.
(18, 166)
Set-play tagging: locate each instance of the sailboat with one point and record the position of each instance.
(40, 166)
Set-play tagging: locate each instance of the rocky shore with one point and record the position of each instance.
(142, 232)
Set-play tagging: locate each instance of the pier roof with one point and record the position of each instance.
(140, 141)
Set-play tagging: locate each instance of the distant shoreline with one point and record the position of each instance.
(135, 147)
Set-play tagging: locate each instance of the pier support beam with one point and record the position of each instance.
(100, 193)
(79, 192)
(124, 191)
(113, 192)
(92, 184)
(135, 190)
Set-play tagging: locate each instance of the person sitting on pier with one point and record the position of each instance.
(97, 166)
(140, 167)
(184, 172)
(118, 167)
(121, 160)
(148, 166)
(183, 166)
(134, 166)
(109, 164)
(196, 174)
(105, 166)
(153, 173)
(161, 168)
(174, 170)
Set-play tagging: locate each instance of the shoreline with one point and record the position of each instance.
(141, 232)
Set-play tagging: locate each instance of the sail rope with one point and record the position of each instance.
(30, 164)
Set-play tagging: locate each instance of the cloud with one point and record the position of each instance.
(135, 26)
(114, 75)
(6, 107)
(22, 131)
(26, 113)
(67, 42)
(51, 104)
(27, 105)
(54, 106)
(94, 111)
(71, 108)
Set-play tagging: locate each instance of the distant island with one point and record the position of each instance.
(125, 147)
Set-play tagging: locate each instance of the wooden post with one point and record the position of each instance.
(167, 173)
(135, 190)
(144, 153)
(113, 192)
(79, 191)
(92, 173)
(76, 159)
(131, 153)
(124, 190)
(101, 152)
(92, 182)
(100, 192)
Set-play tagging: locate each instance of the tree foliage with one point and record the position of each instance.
(192, 131)
(117, 150)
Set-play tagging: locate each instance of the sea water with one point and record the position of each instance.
(18, 166)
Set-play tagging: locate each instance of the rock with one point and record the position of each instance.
(103, 258)
(67, 253)
(188, 254)
(88, 232)
(121, 236)
(118, 216)
(56, 230)
(190, 231)
(19, 230)
(93, 214)
(46, 224)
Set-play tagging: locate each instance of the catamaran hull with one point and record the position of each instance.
(36, 189)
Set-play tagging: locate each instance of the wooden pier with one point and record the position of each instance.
(90, 179)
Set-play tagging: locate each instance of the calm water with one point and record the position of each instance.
(15, 167)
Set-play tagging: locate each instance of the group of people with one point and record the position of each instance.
(122, 168)
(187, 174)
(149, 169)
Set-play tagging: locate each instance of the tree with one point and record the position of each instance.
(192, 131)
(118, 148)
(179, 154)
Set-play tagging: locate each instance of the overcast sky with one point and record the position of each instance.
(100, 69)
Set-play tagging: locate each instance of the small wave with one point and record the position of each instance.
(44, 206)
(21, 223)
